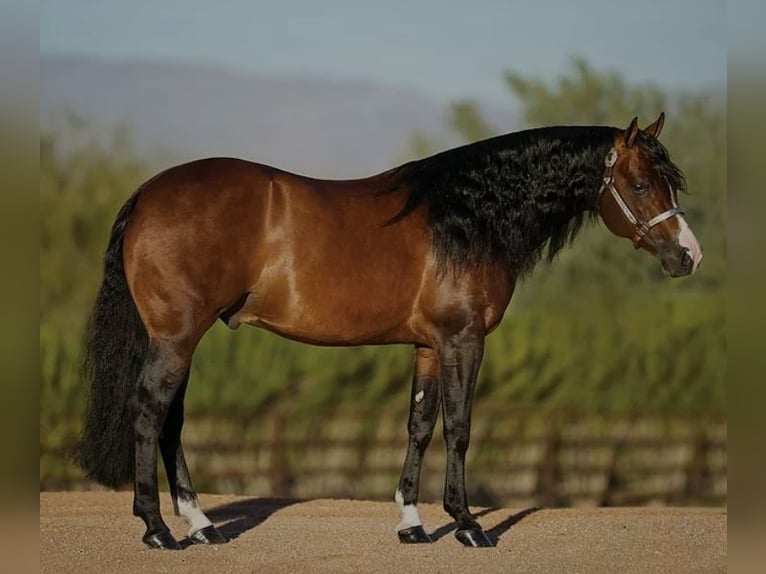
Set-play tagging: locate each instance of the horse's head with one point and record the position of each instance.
(638, 199)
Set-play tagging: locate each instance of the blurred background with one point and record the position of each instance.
(605, 383)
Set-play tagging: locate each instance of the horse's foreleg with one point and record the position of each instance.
(424, 408)
(162, 376)
(185, 503)
(459, 359)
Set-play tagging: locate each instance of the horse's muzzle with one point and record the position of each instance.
(677, 261)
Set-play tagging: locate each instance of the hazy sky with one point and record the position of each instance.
(443, 48)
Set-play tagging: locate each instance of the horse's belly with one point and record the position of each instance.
(323, 327)
(320, 312)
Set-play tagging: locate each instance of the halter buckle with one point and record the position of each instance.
(641, 230)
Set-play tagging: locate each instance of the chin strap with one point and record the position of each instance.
(642, 228)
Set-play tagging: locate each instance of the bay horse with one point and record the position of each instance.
(425, 254)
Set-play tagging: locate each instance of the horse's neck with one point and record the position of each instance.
(544, 198)
(505, 198)
(566, 179)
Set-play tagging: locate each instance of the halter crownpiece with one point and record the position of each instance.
(642, 228)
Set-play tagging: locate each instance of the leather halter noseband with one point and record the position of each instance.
(642, 228)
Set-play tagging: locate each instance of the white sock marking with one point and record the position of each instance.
(687, 239)
(190, 510)
(409, 513)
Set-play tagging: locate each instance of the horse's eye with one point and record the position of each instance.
(640, 187)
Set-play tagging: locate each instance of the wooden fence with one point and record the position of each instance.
(515, 458)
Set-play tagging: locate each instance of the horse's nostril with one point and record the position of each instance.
(686, 259)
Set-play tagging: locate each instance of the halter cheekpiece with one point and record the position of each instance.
(642, 228)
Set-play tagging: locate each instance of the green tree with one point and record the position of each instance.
(584, 96)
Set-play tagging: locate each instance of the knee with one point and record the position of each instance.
(421, 438)
(420, 432)
(457, 436)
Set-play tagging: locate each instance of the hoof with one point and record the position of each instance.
(413, 535)
(208, 535)
(163, 540)
(474, 538)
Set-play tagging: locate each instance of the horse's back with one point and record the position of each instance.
(311, 259)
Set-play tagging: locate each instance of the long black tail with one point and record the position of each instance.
(116, 346)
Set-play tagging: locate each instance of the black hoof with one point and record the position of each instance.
(473, 537)
(163, 540)
(208, 535)
(414, 535)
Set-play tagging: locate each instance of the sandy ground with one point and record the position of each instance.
(96, 532)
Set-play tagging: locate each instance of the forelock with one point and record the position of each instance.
(660, 159)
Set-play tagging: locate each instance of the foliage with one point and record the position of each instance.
(584, 97)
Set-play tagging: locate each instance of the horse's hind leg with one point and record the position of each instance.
(185, 503)
(163, 375)
(424, 408)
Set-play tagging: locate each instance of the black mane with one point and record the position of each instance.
(508, 197)
(660, 159)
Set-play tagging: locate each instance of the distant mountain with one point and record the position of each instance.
(317, 126)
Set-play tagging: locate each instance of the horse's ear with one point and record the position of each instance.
(655, 128)
(631, 132)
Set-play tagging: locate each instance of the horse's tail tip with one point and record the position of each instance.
(108, 471)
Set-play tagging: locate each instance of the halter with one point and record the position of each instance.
(642, 228)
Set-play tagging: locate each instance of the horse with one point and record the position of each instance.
(425, 254)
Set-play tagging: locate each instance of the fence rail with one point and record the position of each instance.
(548, 459)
